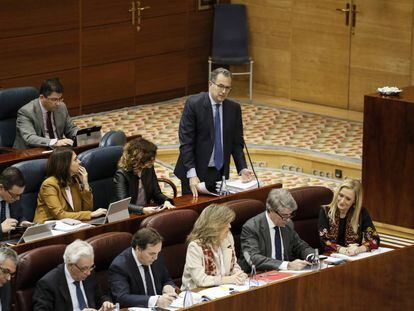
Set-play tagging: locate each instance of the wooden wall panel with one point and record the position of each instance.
(26, 17)
(200, 31)
(69, 79)
(161, 73)
(269, 25)
(41, 53)
(161, 35)
(108, 43)
(197, 73)
(110, 82)
(381, 48)
(100, 12)
(163, 7)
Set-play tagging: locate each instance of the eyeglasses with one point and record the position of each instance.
(7, 272)
(222, 87)
(15, 196)
(286, 217)
(84, 269)
(55, 100)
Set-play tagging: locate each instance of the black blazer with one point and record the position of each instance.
(126, 185)
(126, 284)
(196, 134)
(16, 212)
(5, 294)
(52, 292)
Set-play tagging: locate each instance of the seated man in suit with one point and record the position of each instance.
(72, 285)
(269, 238)
(8, 265)
(138, 277)
(45, 121)
(12, 185)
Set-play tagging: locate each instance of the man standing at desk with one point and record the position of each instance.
(138, 277)
(12, 185)
(211, 129)
(45, 121)
(8, 265)
(270, 240)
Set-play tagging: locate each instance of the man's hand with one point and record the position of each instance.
(107, 306)
(297, 264)
(168, 289)
(64, 142)
(165, 300)
(149, 210)
(246, 175)
(26, 224)
(194, 181)
(8, 225)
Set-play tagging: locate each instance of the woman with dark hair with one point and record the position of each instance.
(136, 177)
(345, 226)
(65, 193)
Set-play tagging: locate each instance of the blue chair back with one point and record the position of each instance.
(230, 44)
(113, 138)
(34, 172)
(101, 164)
(11, 100)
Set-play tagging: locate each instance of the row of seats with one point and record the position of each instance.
(37, 262)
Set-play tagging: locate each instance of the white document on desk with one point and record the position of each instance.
(378, 251)
(61, 226)
(201, 188)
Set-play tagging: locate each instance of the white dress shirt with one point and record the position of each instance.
(72, 290)
(153, 299)
(272, 229)
(52, 116)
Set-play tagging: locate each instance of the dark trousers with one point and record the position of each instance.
(212, 176)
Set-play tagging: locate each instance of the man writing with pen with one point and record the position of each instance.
(138, 276)
(12, 185)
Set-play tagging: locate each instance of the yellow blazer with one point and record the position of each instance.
(53, 203)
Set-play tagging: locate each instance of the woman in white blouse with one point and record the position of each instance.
(211, 258)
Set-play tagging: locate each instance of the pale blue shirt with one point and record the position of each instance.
(153, 299)
(72, 290)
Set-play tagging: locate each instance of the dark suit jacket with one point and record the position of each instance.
(52, 292)
(5, 295)
(30, 130)
(196, 133)
(255, 239)
(126, 185)
(126, 284)
(16, 213)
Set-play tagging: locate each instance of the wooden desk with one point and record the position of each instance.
(382, 282)
(388, 158)
(132, 224)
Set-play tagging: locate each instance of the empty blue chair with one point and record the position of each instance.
(11, 100)
(113, 138)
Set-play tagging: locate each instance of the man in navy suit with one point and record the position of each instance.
(138, 277)
(211, 130)
(8, 265)
(71, 286)
(12, 186)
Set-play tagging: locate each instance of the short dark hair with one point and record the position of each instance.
(146, 236)
(49, 86)
(58, 165)
(217, 71)
(10, 177)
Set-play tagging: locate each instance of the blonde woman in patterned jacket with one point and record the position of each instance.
(345, 226)
(211, 258)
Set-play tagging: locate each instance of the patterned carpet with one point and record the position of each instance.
(265, 127)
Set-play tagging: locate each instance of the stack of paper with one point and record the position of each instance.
(61, 226)
(237, 185)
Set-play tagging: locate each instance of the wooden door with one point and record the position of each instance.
(380, 47)
(320, 52)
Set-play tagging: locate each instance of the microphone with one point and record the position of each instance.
(247, 258)
(251, 164)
